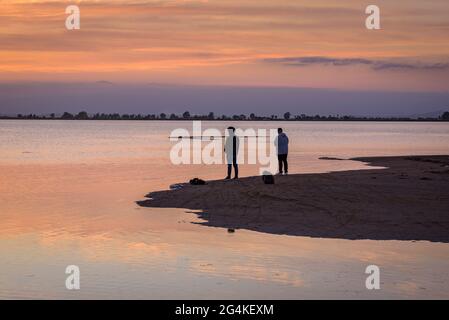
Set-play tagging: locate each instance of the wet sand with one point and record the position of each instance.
(407, 199)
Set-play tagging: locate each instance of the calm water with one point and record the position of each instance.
(67, 192)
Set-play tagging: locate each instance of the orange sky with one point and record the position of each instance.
(229, 42)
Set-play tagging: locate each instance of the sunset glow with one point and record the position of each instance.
(228, 42)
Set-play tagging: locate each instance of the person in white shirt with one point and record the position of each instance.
(282, 151)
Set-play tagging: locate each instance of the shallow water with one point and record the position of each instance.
(67, 192)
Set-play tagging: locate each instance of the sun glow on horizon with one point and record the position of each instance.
(227, 42)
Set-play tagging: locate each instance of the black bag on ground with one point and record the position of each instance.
(268, 179)
(197, 182)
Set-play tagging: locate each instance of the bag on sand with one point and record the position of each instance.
(197, 182)
(268, 179)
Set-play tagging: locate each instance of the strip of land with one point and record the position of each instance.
(407, 200)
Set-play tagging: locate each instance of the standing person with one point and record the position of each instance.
(231, 150)
(282, 150)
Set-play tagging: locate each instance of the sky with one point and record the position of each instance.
(226, 56)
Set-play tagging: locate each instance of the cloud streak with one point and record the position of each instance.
(376, 65)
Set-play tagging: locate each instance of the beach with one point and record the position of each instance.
(401, 198)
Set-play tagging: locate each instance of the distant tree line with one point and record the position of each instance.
(83, 115)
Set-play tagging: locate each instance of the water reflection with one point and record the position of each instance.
(59, 210)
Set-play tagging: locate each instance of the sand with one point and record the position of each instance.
(408, 199)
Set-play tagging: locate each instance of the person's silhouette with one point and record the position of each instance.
(231, 149)
(282, 150)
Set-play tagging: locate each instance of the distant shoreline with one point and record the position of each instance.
(211, 116)
(245, 120)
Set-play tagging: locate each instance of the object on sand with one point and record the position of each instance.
(176, 186)
(268, 178)
(197, 182)
(330, 158)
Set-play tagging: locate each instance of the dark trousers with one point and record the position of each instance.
(236, 169)
(282, 158)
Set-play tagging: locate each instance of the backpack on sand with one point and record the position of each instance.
(197, 182)
(268, 179)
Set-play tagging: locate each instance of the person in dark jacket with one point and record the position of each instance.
(231, 149)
